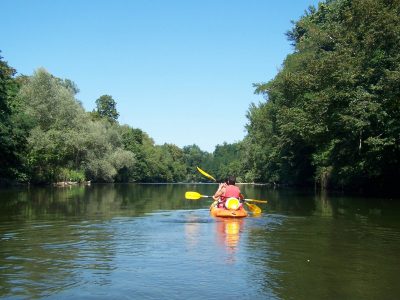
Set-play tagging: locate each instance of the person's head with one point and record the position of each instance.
(231, 180)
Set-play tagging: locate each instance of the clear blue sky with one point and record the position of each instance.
(180, 70)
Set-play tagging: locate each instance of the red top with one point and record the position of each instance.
(232, 191)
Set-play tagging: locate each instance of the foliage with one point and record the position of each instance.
(105, 159)
(56, 120)
(7, 159)
(226, 161)
(12, 126)
(63, 142)
(106, 108)
(332, 112)
(331, 116)
(71, 175)
(195, 157)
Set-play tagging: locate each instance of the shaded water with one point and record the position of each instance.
(148, 242)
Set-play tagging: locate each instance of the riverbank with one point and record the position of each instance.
(70, 183)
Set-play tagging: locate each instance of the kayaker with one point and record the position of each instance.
(220, 191)
(227, 190)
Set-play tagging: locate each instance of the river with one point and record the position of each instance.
(132, 241)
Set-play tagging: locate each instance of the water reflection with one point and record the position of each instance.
(99, 201)
(119, 240)
(327, 255)
(192, 231)
(228, 231)
(323, 206)
(55, 255)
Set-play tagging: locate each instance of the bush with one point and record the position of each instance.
(71, 175)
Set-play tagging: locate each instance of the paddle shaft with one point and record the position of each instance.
(196, 196)
(245, 199)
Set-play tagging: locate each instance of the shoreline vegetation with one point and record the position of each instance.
(89, 183)
(70, 183)
(330, 119)
(277, 186)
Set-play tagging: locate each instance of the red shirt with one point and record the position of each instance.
(232, 191)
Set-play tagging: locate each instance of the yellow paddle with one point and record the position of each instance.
(195, 196)
(254, 208)
(206, 175)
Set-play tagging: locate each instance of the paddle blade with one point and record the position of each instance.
(192, 195)
(254, 208)
(206, 174)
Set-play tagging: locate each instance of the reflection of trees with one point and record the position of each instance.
(107, 200)
(288, 201)
(323, 204)
(102, 200)
(57, 238)
(52, 239)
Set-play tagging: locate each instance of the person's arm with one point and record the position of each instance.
(220, 191)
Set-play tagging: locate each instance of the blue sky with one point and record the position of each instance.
(182, 71)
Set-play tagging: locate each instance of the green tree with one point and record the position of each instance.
(57, 120)
(332, 112)
(106, 160)
(8, 158)
(226, 161)
(14, 126)
(106, 108)
(195, 157)
(47, 136)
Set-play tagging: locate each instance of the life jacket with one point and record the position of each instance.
(231, 191)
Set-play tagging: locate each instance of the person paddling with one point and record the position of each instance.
(227, 190)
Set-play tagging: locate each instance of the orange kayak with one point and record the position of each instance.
(227, 213)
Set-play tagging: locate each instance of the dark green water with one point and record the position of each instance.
(148, 242)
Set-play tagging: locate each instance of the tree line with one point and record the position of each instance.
(331, 117)
(47, 136)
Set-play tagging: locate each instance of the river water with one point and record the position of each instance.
(148, 242)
